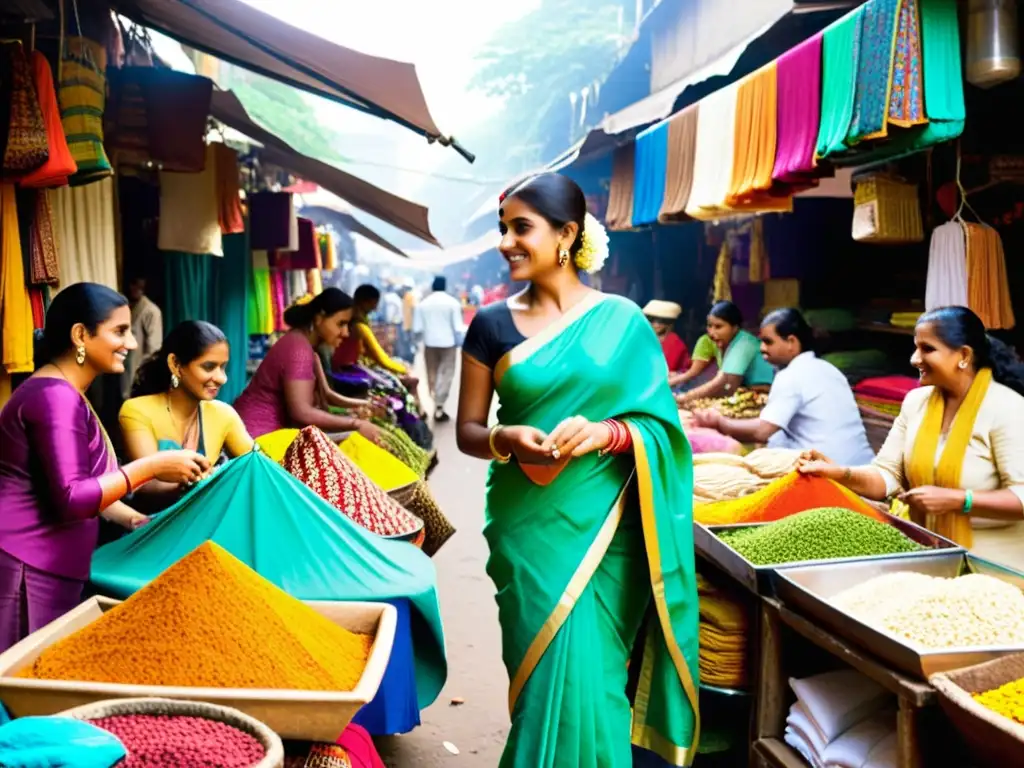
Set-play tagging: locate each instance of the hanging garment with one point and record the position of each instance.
(874, 71)
(279, 298)
(799, 112)
(83, 220)
(231, 286)
(189, 211)
(82, 96)
(59, 165)
(273, 222)
(620, 192)
(26, 148)
(307, 255)
(715, 154)
(187, 287)
(649, 174)
(906, 91)
(947, 268)
(259, 301)
(229, 201)
(15, 305)
(314, 282)
(43, 249)
(988, 287)
(840, 58)
(682, 144)
(327, 248)
(37, 298)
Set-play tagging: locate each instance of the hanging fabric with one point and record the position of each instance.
(59, 165)
(45, 269)
(759, 269)
(229, 201)
(722, 285)
(230, 289)
(988, 287)
(620, 192)
(715, 154)
(649, 174)
(279, 298)
(15, 305)
(177, 108)
(272, 221)
(682, 144)
(187, 287)
(189, 211)
(259, 301)
(82, 97)
(327, 248)
(307, 255)
(946, 284)
(83, 220)
(874, 71)
(26, 147)
(799, 112)
(840, 59)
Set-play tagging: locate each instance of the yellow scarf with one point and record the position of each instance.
(922, 469)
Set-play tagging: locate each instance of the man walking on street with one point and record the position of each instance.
(438, 319)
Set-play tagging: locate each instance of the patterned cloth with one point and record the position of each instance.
(874, 70)
(82, 95)
(26, 148)
(906, 91)
(315, 460)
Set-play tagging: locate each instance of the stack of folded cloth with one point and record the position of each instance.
(880, 399)
(904, 319)
(725, 620)
(842, 720)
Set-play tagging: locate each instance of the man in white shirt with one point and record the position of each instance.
(147, 328)
(438, 319)
(810, 406)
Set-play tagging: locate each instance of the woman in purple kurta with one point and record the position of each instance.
(58, 471)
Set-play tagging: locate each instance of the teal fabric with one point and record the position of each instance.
(188, 294)
(57, 742)
(293, 538)
(743, 358)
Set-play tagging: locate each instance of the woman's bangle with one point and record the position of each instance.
(492, 441)
(620, 440)
(968, 502)
(127, 481)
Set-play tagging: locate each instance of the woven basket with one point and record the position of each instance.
(886, 211)
(267, 738)
(994, 740)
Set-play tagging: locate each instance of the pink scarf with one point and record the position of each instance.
(361, 752)
(799, 112)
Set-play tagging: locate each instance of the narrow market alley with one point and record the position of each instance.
(477, 726)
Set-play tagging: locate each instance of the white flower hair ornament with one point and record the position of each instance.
(593, 252)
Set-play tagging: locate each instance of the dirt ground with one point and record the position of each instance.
(475, 672)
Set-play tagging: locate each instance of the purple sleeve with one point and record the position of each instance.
(58, 433)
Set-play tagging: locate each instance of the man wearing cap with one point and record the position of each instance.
(662, 316)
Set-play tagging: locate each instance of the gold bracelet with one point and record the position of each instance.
(494, 449)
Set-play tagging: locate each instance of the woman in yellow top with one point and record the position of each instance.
(956, 451)
(174, 406)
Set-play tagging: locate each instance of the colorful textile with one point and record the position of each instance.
(620, 192)
(756, 139)
(59, 164)
(24, 144)
(359, 746)
(798, 112)
(190, 210)
(649, 174)
(437, 528)
(906, 92)
(259, 302)
(947, 267)
(275, 444)
(188, 278)
(229, 203)
(318, 463)
(715, 154)
(840, 60)
(58, 742)
(682, 143)
(574, 586)
(83, 218)
(45, 269)
(386, 471)
(988, 286)
(293, 538)
(82, 96)
(16, 338)
(229, 294)
(893, 388)
(874, 71)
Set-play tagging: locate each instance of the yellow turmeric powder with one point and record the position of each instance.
(210, 621)
(1007, 700)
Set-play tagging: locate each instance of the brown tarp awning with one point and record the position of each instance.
(401, 213)
(250, 38)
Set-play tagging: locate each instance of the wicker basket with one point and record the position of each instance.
(994, 740)
(887, 211)
(267, 738)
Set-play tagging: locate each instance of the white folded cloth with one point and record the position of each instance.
(836, 701)
(851, 750)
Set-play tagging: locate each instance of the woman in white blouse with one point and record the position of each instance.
(956, 451)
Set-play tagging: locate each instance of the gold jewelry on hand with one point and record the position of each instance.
(498, 457)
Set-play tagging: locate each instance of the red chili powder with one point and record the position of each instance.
(162, 741)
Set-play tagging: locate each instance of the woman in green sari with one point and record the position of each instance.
(588, 501)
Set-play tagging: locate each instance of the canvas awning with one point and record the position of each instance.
(243, 35)
(401, 213)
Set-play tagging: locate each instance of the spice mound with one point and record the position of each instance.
(818, 534)
(162, 741)
(210, 621)
(931, 612)
(1006, 700)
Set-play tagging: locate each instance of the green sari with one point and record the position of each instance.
(576, 563)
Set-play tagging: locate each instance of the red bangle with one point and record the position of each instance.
(127, 480)
(620, 439)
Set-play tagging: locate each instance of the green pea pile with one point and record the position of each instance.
(818, 534)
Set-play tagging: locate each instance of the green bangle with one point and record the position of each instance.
(968, 502)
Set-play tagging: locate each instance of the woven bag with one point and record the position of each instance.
(270, 741)
(417, 498)
(886, 211)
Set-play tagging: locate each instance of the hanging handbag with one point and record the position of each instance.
(82, 96)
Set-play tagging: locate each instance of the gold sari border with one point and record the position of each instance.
(530, 346)
(643, 471)
(579, 581)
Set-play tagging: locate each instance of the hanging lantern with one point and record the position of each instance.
(993, 51)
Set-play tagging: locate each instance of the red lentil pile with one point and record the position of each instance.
(171, 741)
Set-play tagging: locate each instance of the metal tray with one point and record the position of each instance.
(760, 579)
(809, 591)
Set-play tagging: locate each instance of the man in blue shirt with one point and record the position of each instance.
(810, 406)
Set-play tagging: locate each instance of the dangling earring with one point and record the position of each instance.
(963, 365)
(563, 257)
(175, 381)
(80, 355)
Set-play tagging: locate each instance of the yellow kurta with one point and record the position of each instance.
(15, 306)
